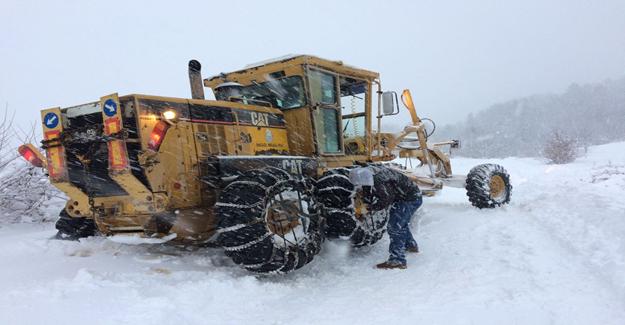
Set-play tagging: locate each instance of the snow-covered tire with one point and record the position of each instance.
(338, 197)
(269, 221)
(74, 228)
(488, 186)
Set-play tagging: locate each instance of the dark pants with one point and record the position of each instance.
(399, 229)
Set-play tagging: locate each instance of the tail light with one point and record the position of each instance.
(157, 135)
(31, 155)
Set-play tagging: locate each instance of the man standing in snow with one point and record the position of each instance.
(382, 187)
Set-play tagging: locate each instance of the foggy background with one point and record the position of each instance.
(457, 57)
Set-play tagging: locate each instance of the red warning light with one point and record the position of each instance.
(27, 153)
(157, 135)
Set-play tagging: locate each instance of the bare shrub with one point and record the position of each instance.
(25, 192)
(7, 135)
(26, 195)
(560, 149)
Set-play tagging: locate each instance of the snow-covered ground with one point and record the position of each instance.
(555, 255)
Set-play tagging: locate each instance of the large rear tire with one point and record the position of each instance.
(269, 221)
(74, 228)
(488, 186)
(346, 216)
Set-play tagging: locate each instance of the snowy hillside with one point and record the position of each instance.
(590, 114)
(555, 255)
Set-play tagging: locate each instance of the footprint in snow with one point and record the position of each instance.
(80, 253)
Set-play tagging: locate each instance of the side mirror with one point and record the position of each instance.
(389, 101)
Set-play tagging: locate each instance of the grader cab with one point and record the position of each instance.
(261, 171)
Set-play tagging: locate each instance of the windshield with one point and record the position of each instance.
(283, 93)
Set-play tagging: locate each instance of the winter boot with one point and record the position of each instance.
(414, 250)
(391, 265)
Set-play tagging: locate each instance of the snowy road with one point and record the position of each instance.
(556, 255)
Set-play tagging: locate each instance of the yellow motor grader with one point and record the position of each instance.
(261, 171)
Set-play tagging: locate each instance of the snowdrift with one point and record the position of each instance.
(555, 255)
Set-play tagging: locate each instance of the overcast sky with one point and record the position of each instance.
(455, 56)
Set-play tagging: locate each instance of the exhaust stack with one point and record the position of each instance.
(195, 79)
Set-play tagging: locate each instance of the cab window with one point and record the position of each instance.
(283, 93)
(328, 139)
(322, 87)
(323, 95)
(353, 103)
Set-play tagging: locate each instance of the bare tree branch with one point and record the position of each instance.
(24, 189)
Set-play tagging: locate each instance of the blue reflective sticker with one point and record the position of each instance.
(51, 120)
(110, 107)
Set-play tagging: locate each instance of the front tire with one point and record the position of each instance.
(346, 216)
(488, 186)
(269, 221)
